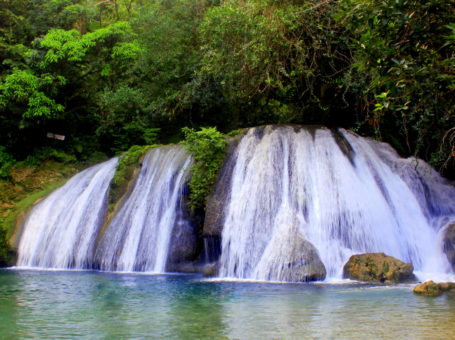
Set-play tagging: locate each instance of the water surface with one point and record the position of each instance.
(94, 305)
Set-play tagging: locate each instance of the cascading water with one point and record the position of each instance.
(343, 193)
(60, 231)
(139, 235)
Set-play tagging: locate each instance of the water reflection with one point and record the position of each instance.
(90, 305)
(9, 305)
(197, 312)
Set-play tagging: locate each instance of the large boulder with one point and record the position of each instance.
(449, 243)
(430, 288)
(378, 268)
(303, 262)
(299, 259)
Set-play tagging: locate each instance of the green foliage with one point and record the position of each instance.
(6, 162)
(285, 57)
(23, 205)
(124, 172)
(208, 147)
(24, 87)
(47, 153)
(73, 47)
(169, 38)
(3, 248)
(403, 68)
(9, 219)
(108, 74)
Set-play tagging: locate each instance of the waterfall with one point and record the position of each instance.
(60, 231)
(138, 238)
(342, 193)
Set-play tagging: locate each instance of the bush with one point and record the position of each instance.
(402, 73)
(3, 248)
(208, 147)
(6, 162)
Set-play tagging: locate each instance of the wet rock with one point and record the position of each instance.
(378, 268)
(449, 243)
(214, 212)
(431, 288)
(304, 263)
(183, 247)
(182, 267)
(210, 269)
(301, 261)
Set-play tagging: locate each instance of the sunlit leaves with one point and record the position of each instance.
(72, 46)
(24, 87)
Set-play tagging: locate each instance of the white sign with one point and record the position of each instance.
(55, 136)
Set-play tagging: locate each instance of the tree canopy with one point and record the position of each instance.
(115, 73)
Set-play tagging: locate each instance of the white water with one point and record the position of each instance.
(138, 237)
(365, 199)
(60, 231)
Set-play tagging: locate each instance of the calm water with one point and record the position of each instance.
(92, 305)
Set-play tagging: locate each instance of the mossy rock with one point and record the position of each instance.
(378, 268)
(431, 288)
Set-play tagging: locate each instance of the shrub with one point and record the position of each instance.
(6, 162)
(208, 147)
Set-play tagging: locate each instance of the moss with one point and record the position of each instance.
(377, 267)
(129, 162)
(27, 185)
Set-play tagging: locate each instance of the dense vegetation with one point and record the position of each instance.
(208, 148)
(111, 74)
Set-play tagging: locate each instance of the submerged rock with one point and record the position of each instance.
(378, 268)
(210, 269)
(431, 288)
(449, 243)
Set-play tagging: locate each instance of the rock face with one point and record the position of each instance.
(378, 268)
(184, 245)
(302, 263)
(210, 269)
(449, 243)
(430, 288)
(214, 210)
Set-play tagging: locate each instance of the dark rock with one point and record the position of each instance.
(182, 267)
(184, 246)
(210, 269)
(449, 243)
(214, 212)
(431, 288)
(378, 268)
